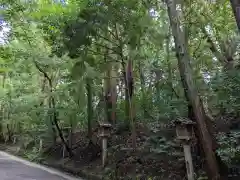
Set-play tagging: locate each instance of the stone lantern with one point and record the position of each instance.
(184, 129)
(185, 133)
(104, 133)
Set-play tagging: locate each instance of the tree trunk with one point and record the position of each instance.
(169, 63)
(110, 93)
(89, 106)
(190, 90)
(113, 94)
(45, 102)
(236, 11)
(2, 107)
(53, 129)
(60, 133)
(143, 92)
(43, 87)
(70, 133)
(129, 87)
(52, 104)
(127, 105)
(129, 95)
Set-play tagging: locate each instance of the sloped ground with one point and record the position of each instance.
(157, 156)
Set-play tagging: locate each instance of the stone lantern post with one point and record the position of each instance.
(104, 133)
(185, 133)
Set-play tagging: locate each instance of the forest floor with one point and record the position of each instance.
(157, 156)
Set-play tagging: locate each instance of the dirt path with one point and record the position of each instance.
(14, 168)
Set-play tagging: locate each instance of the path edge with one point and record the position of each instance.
(50, 170)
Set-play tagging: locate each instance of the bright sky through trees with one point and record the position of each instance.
(3, 32)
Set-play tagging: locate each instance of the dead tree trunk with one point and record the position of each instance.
(191, 92)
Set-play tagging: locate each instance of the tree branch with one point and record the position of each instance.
(213, 47)
(106, 47)
(43, 72)
(100, 36)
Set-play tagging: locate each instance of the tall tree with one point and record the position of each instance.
(191, 93)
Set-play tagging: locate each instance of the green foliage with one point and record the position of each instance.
(228, 94)
(73, 42)
(230, 148)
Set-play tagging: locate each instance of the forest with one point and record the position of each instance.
(69, 66)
